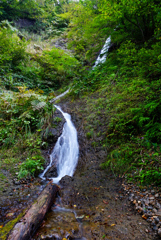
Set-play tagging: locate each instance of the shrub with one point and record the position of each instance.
(23, 111)
(57, 67)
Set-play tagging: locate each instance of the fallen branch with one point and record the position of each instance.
(26, 227)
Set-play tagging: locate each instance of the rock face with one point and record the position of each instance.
(55, 131)
(25, 22)
(61, 43)
(52, 172)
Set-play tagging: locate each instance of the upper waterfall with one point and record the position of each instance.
(103, 54)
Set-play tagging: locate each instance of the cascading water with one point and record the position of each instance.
(103, 54)
(65, 151)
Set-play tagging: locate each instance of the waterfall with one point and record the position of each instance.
(59, 96)
(103, 54)
(66, 150)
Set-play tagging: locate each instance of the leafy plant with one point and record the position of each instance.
(57, 67)
(23, 111)
(31, 167)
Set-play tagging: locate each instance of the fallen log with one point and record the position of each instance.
(26, 227)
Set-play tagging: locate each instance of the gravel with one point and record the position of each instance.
(147, 202)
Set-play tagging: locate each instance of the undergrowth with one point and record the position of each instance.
(47, 69)
(24, 115)
(123, 96)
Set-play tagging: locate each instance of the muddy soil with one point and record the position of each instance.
(16, 196)
(93, 202)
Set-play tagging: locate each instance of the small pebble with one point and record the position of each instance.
(148, 204)
(159, 232)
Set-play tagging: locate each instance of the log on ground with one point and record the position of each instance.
(26, 227)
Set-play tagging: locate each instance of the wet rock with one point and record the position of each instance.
(159, 232)
(155, 228)
(52, 172)
(65, 181)
(158, 206)
(25, 22)
(156, 219)
(121, 197)
(159, 213)
(149, 219)
(16, 182)
(150, 207)
(128, 218)
(154, 211)
(53, 133)
(152, 192)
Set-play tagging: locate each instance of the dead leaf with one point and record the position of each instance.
(112, 225)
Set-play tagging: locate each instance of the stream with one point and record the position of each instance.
(92, 204)
(65, 157)
(66, 150)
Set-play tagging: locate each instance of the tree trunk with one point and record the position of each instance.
(26, 227)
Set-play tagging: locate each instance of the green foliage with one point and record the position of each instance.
(31, 167)
(85, 34)
(53, 69)
(42, 13)
(24, 111)
(138, 162)
(92, 21)
(125, 104)
(57, 67)
(12, 49)
(17, 9)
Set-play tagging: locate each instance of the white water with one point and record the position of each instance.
(65, 151)
(61, 95)
(103, 54)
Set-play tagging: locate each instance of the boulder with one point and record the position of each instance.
(54, 132)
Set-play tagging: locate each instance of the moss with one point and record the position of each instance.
(9, 226)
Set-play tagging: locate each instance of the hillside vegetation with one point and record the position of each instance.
(122, 103)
